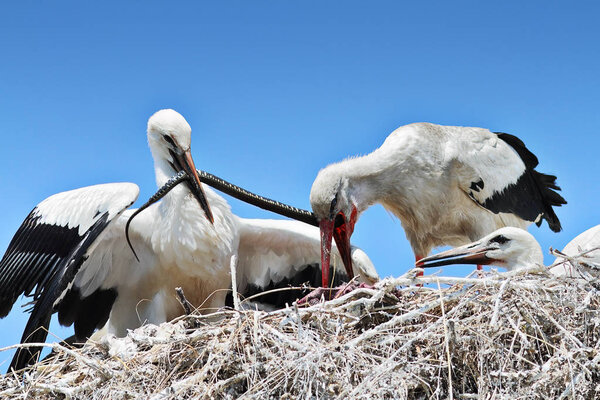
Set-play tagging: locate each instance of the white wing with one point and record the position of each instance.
(273, 250)
(486, 164)
(50, 248)
(497, 171)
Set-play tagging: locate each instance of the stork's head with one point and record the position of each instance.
(333, 204)
(509, 247)
(169, 138)
(168, 130)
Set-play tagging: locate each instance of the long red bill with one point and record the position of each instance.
(341, 235)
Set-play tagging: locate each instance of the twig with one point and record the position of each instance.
(58, 347)
(529, 285)
(233, 271)
(494, 319)
(449, 359)
(503, 336)
(183, 301)
(400, 319)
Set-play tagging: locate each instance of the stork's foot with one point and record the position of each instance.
(316, 296)
(480, 273)
(349, 287)
(326, 294)
(418, 274)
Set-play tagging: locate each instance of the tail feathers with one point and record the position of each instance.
(547, 186)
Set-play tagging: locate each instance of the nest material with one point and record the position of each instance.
(524, 335)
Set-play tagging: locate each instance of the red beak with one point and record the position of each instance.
(340, 230)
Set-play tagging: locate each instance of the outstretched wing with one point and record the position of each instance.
(281, 253)
(498, 172)
(49, 248)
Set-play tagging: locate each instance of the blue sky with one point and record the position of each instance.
(275, 91)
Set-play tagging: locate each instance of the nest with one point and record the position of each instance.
(502, 336)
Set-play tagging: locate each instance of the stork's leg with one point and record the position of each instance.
(479, 271)
(349, 287)
(419, 273)
(316, 295)
(417, 258)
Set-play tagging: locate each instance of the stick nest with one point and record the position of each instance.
(502, 336)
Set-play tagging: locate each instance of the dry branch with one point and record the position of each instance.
(523, 335)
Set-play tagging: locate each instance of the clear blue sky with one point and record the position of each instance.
(276, 91)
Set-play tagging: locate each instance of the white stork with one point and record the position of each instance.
(72, 256)
(509, 247)
(514, 248)
(448, 186)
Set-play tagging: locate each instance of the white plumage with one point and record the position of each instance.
(514, 248)
(72, 256)
(509, 247)
(587, 242)
(270, 250)
(112, 198)
(447, 185)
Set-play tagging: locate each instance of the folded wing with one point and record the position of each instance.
(279, 254)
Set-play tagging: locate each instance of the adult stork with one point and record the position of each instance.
(514, 248)
(448, 185)
(71, 254)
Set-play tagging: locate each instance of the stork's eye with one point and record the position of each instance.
(169, 140)
(332, 206)
(500, 239)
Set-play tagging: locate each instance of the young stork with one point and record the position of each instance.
(448, 185)
(509, 247)
(587, 242)
(514, 248)
(71, 254)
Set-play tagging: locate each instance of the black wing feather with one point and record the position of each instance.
(529, 159)
(87, 313)
(44, 257)
(535, 191)
(56, 281)
(26, 252)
